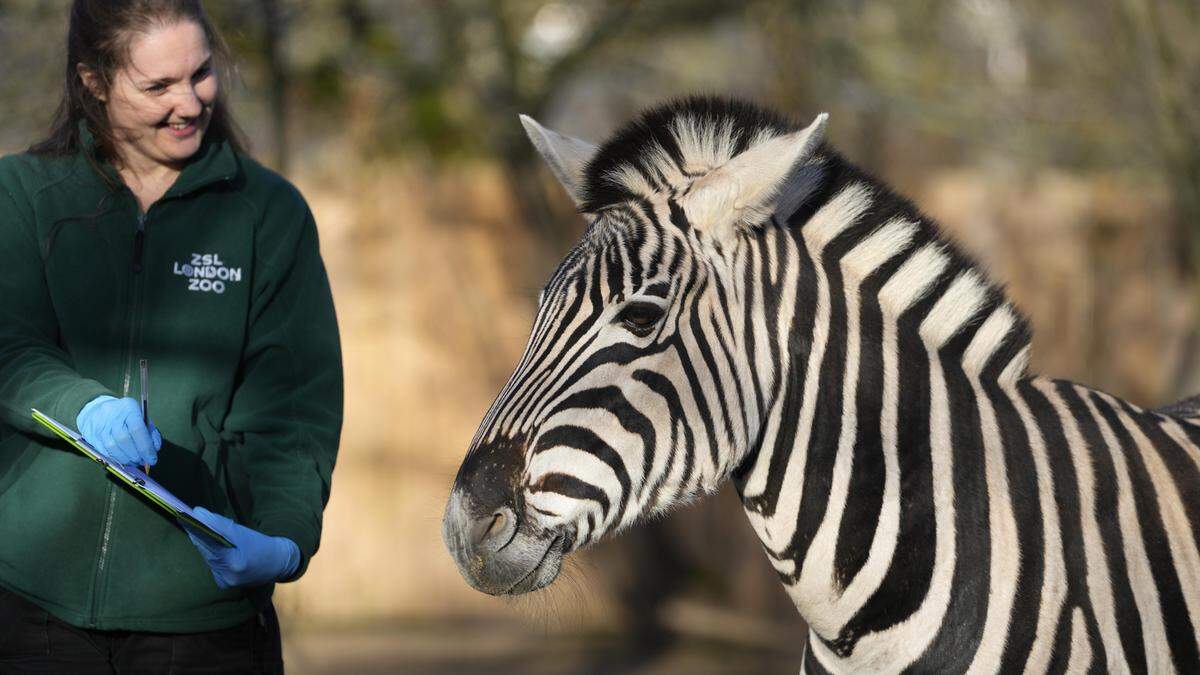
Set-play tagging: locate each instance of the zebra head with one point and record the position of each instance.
(646, 373)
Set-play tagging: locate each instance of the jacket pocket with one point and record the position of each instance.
(237, 481)
(195, 474)
(220, 495)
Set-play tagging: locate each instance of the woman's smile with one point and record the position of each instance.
(182, 130)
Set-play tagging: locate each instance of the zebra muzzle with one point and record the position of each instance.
(498, 553)
(499, 548)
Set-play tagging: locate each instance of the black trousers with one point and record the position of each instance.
(33, 641)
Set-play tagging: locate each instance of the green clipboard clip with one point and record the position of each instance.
(133, 477)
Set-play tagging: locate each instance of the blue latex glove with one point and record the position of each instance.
(114, 427)
(255, 558)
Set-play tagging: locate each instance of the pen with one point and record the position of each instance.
(145, 402)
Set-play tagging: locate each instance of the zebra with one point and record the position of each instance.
(747, 304)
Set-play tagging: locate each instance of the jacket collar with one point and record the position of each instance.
(215, 162)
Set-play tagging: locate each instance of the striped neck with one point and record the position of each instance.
(865, 240)
(872, 298)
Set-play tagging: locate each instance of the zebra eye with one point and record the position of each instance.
(640, 317)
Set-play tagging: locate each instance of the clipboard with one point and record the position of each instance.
(134, 478)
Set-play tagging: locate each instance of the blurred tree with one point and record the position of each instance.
(456, 73)
(31, 71)
(1163, 38)
(274, 21)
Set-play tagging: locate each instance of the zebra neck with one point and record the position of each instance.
(875, 305)
(869, 259)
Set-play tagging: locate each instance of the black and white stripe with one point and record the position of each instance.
(926, 502)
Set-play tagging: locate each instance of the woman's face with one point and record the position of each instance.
(160, 102)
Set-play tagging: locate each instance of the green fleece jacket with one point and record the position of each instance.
(220, 286)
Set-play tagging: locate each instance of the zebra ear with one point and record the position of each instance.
(566, 156)
(746, 190)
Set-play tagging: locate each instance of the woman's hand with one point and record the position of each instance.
(114, 427)
(255, 558)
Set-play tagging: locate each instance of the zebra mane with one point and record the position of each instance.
(667, 147)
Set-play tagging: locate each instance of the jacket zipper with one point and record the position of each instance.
(139, 245)
(139, 242)
(110, 503)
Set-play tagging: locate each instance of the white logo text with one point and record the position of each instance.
(206, 273)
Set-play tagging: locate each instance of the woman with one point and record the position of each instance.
(140, 230)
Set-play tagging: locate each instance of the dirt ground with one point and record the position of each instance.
(502, 648)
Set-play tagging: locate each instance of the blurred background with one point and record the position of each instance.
(1059, 143)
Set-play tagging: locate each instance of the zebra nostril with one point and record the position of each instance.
(497, 519)
(494, 529)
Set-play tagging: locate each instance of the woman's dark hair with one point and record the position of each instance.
(98, 37)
